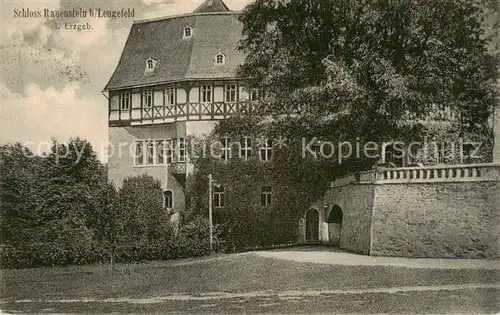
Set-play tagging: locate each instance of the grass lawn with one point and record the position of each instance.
(243, 273)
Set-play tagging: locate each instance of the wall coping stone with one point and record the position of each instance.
(487, 172)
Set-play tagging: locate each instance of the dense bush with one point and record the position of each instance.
(193, 238)
(59, 210)
(143, 229)
(49, 204)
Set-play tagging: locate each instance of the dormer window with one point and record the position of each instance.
(188, 32)
(150, 64)
(220, 59)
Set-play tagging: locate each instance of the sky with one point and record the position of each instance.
(51, 80)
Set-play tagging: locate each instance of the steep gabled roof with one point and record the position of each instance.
(179, 58)
(212, 6)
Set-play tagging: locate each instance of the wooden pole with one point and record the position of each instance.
(165, 157)
(496, 131)
(210, 211)
(165, 160)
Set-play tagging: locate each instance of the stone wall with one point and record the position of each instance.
(356, 201)
(334, 233)
(121, 165)
(354, 195)
(449, 211)
(439, 219)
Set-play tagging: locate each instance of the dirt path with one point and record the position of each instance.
(337, 257)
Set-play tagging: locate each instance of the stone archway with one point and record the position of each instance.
(335, 225)
(312, 225)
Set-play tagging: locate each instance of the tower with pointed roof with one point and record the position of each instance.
(175, 78)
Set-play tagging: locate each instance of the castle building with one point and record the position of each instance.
(176, 77)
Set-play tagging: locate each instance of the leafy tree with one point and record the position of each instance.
(365, 67)
(48, 203)
(67, 209)
(19, 178)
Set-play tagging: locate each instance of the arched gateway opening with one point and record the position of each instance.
(312, 225)
(335, 225)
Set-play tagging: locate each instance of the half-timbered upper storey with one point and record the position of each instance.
(180, 68)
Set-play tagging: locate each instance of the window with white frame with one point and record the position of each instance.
(266, 194)
(220, 59)
(168, 199)
(206, 93)
(139, 153)
(246, 148)
(160, 152)
(266, 150)
(230, 93)
(169, 151)
(150, 152)
(125, 100)
(150, 64)
(181, 147)
(169, 96)
(147, 98)
(219, 196)
(188, 32)
(226, 149)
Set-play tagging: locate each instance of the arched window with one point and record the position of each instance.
(336, 215)
(168, 199)
(220, 59)
(188, 32)
(150, 64)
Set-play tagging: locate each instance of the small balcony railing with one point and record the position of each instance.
(177, 168)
